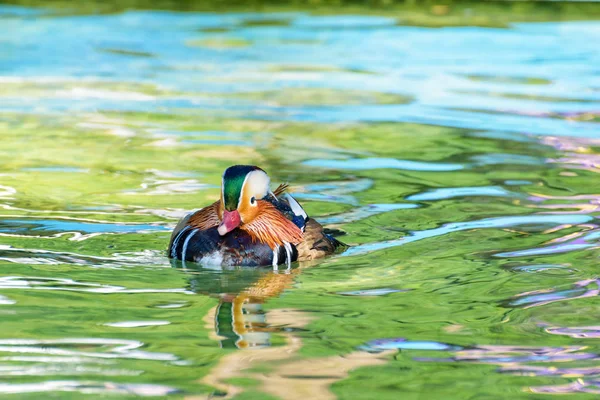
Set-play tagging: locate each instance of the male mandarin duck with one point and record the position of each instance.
(250, 225)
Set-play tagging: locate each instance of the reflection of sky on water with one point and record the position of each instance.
(453, 87)
(72, 357)
(489, 223)
(515, 360)
(536, 298)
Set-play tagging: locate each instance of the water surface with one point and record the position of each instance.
(461, 164)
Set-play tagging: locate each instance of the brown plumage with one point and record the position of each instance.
(315, 243)
(272, 227)
(203, 219)
(206, 217)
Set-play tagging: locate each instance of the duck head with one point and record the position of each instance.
(243, 205)
(241, 188)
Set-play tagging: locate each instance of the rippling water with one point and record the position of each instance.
(461, 164)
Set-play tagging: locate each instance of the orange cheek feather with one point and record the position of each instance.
(270, 226)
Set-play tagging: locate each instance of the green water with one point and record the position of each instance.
(464, 177)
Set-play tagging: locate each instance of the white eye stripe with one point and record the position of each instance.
(256, 184)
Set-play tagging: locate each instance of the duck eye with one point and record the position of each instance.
(252, 200)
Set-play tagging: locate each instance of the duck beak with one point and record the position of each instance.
(231, 220)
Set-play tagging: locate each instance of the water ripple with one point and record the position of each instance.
(70, 285)
(488, 223)
(136, 324)
(449, 193)
(376, 163)
(106, 348)
(47, 257)
(585, 239)
(581, 332)
(364, 212)
(88, 387)
(536, 298)
(48, 227)
(511, 359)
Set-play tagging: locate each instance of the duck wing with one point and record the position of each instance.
(315, 242)
(202, 219)
(289, 207)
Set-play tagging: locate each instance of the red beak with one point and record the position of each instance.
(231, 220)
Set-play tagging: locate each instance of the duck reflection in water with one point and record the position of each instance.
(240, 323)
(239, 319)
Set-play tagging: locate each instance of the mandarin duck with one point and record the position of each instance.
(250, 225)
